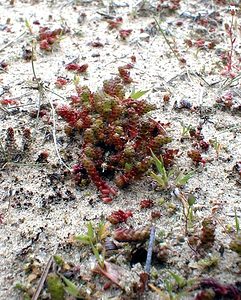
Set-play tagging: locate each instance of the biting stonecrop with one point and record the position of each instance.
(117, 135)
(10, 151)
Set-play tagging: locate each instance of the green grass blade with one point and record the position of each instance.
(159, 164)
(71, 288)
(183, 179)
(136, 95)
(158, 179)
(179, 279)
(237, 226)
(84, 239)
(91, 233)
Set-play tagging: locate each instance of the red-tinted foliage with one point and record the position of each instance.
(125, 74)
(96, 44)
(220, 291)
(168, 157)
(166, 98)
(8, 102)
(49, 37)
(133, 59)
(115, 23)
(132, 235)
(42, 157)
(208, 231)
(44, 45)
(76, 67)
(196, 156)
(119, 216)
(60, 82)
(3, 65)
(146, 203)
(124, 33)
(69, 114)
(156, 214)
(116, 138)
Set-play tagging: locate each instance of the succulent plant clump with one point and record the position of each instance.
(116, 135)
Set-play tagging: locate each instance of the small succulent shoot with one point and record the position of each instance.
(207, 236)
(93, 238)
(122, 161)
(212, 289)
(132, 235)
(136, 95)
(119, 216)
(216, 145)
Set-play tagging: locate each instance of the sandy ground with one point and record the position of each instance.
(40, 204)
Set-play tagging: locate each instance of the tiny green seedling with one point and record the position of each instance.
(76, 80)
(163, 178)
(175, 285)
(185, 130)
(28, 26)
(216, 145)
(93, 238)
